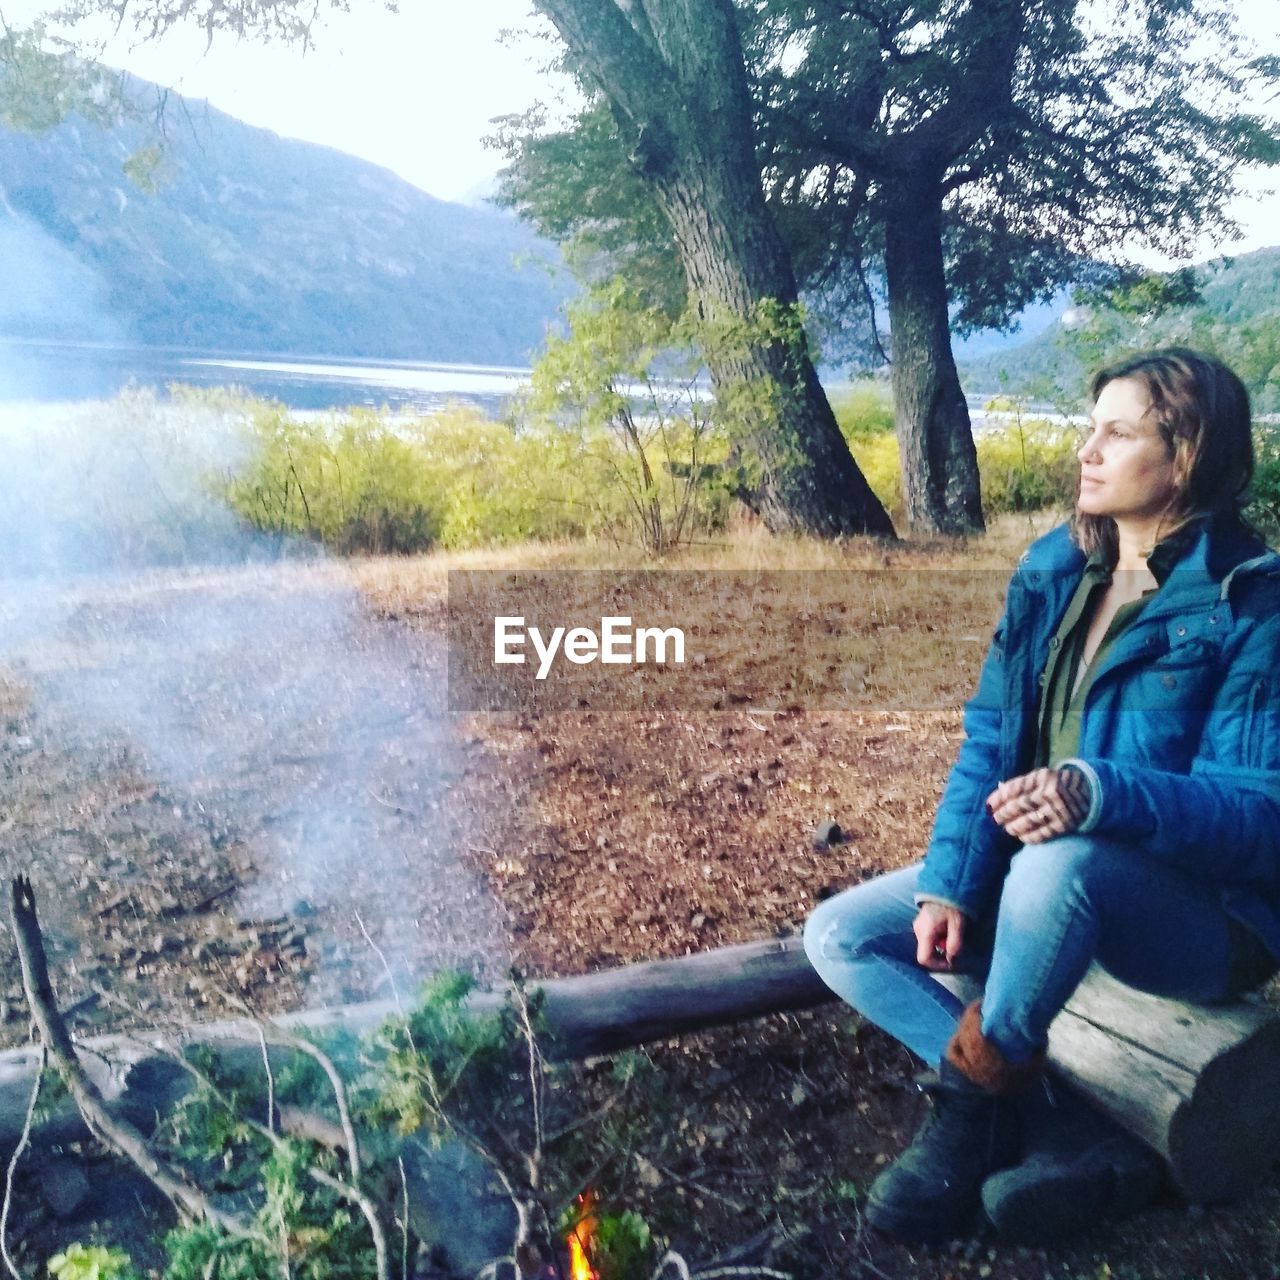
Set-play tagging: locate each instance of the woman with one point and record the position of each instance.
(1117, 795)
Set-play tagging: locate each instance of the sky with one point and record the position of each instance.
(415, 91)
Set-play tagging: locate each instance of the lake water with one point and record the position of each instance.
(52, 373)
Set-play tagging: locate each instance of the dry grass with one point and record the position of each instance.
(394, 584)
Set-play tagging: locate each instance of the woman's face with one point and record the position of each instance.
(1126, 469)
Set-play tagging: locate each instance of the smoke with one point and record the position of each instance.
(90, 488)
(49, 292)
(256, 693)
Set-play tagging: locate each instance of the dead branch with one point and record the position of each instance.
(118, 1134)
(403, 1221)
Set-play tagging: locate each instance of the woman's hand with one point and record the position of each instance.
(1040, 805)
(939, 931)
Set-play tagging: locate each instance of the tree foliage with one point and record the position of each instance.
(43, 80)
(1060, 135)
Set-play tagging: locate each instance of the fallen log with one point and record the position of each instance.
(1200, 1086)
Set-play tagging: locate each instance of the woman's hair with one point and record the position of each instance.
(1201, 410)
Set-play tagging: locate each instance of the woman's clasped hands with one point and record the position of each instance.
(1040, 805)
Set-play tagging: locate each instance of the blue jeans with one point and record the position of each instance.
(1064, 904)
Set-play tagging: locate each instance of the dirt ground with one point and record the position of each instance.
(250, 784)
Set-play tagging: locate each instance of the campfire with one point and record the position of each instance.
(581, 1238)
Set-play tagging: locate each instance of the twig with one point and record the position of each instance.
(271, 1078)
(18, 1151)
(404, 1219)
(671, 1259)
(286, 1270)
(344, 1189)
(392, 805)
(490, 1269)
(124, 1138)
(391, 980)
(382, 957)
(277, 1035)
(680, 1180)
(339, 1093)
(367, 1207)
(768, 1273)
(535, 1078)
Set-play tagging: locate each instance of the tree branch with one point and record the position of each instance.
(366, 1206)
(626, 63)
(121, 1136)
(981, 88)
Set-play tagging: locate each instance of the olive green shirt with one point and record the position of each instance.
(1064, 686)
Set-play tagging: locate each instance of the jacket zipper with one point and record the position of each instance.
(1253, 724)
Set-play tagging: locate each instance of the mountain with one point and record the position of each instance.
(1237, 318)
(1029, 323)
(245, 241)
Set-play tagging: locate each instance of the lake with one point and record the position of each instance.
(52, 373)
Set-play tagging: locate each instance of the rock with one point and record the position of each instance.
(826, 834)
(64, 1186)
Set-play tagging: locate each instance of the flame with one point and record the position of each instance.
(581, 1238)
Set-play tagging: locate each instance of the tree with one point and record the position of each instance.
(975, 157)
(673, 74)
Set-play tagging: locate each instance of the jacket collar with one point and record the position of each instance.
(1221, 550)
(1196, 562)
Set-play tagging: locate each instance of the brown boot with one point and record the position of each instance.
(981, 1063)
(934, 1187)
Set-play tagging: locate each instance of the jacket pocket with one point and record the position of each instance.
(1255, 724)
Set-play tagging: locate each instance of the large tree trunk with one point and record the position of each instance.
(778, 412)
(673, 73)
(940, 484)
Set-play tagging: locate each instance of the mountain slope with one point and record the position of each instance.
(1238, 319)
(252, 242)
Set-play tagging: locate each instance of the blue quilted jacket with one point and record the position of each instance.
(1180, 734)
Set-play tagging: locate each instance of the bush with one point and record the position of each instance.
(1031, 465)
(1264, 509)
(364, 482)
(864, 411)
(1027, 466)
(104, 486)
(877, 459)
(623, 393)
(350, 483)
(1024, 466)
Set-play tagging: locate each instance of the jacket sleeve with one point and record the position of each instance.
(968, 853)
(1220, 821)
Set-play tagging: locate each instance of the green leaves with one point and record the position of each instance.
(624, 391)
(91, 1262)
(43, 81)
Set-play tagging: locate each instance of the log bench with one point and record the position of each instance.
(1200, 1086)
